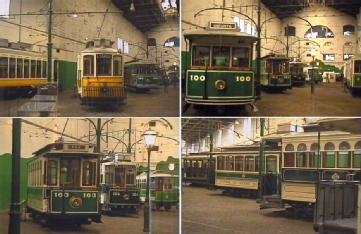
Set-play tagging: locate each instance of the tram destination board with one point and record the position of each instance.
(221, 25)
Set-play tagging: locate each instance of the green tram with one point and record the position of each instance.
(119, 192)
(63, 182)
(275, 72)
(353, 74)
(142, 76)
(298, 77)
(313, 73)
(198, 169)
(164, 189)
(237, 168)
(302, 166)
(220, 68)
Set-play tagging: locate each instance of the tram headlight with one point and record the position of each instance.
(220, 84)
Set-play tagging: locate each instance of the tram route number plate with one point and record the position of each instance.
(220, 25)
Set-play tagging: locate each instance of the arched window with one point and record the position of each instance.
(319, 31)
(301, 156)
(313, 156)
(289, 157)
(172, 42)
(329, 158)
(344, 146)
(329, 146)
(290, 147)
(302, 147)
(348, 30)
(356, 162)
(344, 155)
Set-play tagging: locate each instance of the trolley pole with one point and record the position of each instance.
(14, 224)
(50, 44)
(129, 148)
(258, 48)
(261, 161)
(98, 133)
(147, 211)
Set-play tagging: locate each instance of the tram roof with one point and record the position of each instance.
(141, 63)
(314, 134)
(100, 50)
(66, 148)
(119, 163)
(6, 50)
(194, 35)
(276, 57)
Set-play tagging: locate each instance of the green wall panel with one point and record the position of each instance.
(67, 75)
(5, 180)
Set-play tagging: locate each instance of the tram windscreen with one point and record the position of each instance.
(88, 65)
(240, 57)
(280, 67)
(19, 68)
(357, 68)
(4, 67)
(117, 65)
(120, 176)
(130, 176)
(220, 56)
(70, 172)
(89, 171)
(201, 55)
(104, 64)
(12, 65)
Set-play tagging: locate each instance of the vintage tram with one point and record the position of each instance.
(298, 77)
(198, 169)
(164, 190)
(63, 180)
(22, 71)
(220, 67)
(119, 192)
(100, 78)
(275, 73)
(353, 74)
(304, 165)
(313, 74)
(238, 169)
(142, 76)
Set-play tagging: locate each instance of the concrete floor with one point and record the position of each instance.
(163, 222)
(153, 104)
(328, 100)
(209, 212)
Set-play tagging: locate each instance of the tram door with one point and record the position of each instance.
(271, 177)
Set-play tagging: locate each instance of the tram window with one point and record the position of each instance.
(117, 65)
(289, 159)
(201, 55)
(220, 163)
(312, 159)
(240, 57)
(88, 65)
(344, 159)
(357, 67)
(120, 176)
(33, 69)
(328, 159)
(356, 162)
(239, 163)
(271, 164)
(230, 163)
(269, 66)
(69, 172)
(249, 163)
(4, 67)
(19, 68)
(89, 170)
(256, 164)
(45, 67)
(104, 64)
(301, 159)
(220, 56)
(130, 176)
(26, 68)
(52, 173)
(38, 69)
(12, 66)
(109, 178)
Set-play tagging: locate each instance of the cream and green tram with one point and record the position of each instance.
(63, 180)
(100, 78)
(302, 167)
(238, 169)
(21, 71)
(353, 74)
(275, 72)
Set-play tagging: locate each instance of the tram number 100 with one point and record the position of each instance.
(66, 195)
(203, 78)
